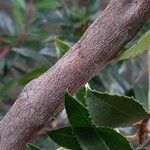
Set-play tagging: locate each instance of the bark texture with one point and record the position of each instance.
(43, 98)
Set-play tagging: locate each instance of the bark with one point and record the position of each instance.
(43, 97)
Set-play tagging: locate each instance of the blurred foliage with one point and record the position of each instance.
(27, 48)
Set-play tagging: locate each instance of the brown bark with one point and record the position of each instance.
(43, 98)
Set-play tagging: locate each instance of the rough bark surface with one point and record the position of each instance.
(43, 98)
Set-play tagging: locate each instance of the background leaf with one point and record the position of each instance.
(47, 4)
(25, 52)
(32, 75)
(19, 12)
(6, 23)
(7, 86)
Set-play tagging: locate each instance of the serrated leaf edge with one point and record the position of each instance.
(104, 93)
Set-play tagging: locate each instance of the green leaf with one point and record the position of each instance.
(32, 75)
(47, 4)
(2, 65)
(80, 96)
(62, 148)
(19, 12)
(113, 139)
(7, 86)
(137, 48)
(32, 147)
(65, 138)
(25, 52)
(19, 3)
(61, 47)
(7, 26)
(113, 110)
(88, 136)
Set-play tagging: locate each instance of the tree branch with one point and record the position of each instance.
(43, 98)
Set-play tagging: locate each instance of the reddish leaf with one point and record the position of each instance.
(3, 52)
